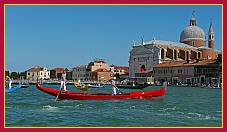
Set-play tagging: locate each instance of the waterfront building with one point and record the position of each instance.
(119, 69)
(208, 73)
(190, 72)
(79, 73)
(98, 70)
(55, 74)
(69, 75)
(192, 46)
(101, 75)
(120, 72)
(173, 72)
(97, 64)
(38, 73)
(94, 66)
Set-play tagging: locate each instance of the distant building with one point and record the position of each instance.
(101, 75)
(120, 72)
(38, 73)
(194, 72)
(79, 73)
(99, 65)
(69, 75)
(119, 69)
(55, 74)
(192, 46)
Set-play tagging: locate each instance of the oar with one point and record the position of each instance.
(119, 89)
(57, 95)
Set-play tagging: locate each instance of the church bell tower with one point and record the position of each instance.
(211, 37)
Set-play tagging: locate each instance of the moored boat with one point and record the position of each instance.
(95, 86)
(24, 86)
(9, 90)
(102, 96)
(133, 86)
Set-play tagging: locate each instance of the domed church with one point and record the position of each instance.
(192, 46)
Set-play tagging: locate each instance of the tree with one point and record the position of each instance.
(14, 75)
(23, 75)
(6, 73)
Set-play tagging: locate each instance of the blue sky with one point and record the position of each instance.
(68, 36)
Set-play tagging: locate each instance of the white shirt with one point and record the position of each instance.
(113, 83)
(63, 77)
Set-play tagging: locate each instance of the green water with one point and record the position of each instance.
(179, 107)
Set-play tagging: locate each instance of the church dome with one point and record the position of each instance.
(191, 33)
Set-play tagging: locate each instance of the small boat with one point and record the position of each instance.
(24, 85)
(80, 87)
(101, 96)
(138, 86)
(215, 86)
(95, 86)
(9, 90)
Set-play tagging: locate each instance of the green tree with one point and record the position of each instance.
(14, 75)
(6, 73)
(23, 75)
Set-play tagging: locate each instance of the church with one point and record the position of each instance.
(192, 46)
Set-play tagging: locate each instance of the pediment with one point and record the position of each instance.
(142, 50)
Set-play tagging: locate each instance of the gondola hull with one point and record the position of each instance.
(102, 96)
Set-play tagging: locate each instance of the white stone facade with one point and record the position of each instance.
(143, 55)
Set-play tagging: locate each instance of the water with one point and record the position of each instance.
(179, 107)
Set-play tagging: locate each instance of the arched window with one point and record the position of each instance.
(162, 53)
(193, 43)
(199, 55)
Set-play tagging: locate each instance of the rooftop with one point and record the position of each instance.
(186, 63)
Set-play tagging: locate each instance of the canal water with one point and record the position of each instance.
(179, 107)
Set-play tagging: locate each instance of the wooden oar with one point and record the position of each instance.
(57, 95)
(119, 89)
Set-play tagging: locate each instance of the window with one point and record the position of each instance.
(205, 70)
(180, 71)
(193, 43)
(199, 55)
(199, 70)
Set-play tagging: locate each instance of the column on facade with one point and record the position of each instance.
(175, 54)
(188, 55)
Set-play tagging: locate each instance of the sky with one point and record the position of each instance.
(68, 36)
